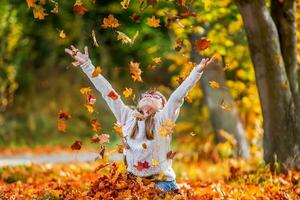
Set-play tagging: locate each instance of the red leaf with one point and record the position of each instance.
(80, 9)
(64, 115)
(76, 145)
(202, 44)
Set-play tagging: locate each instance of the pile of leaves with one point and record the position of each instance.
(85, 181)
(119, 184)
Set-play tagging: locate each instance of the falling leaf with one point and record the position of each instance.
(61, 126)
(135, 71)
(154, 163)
(125, 4)
(166, 128)
(214, 84)
(192, 134)
(110, 22)
(39, 13)
(156, 60)
(188, 14)
(94, 39)
(76, 145)
(89, 108)
(31, 3)
(202, 44)
(55, 9)
(90, 99)
(135, 17)
(85, 90)
(96, 72)
(64, 115)
(125, 39)
(153, 22)
(171, 154)
(79, 8)
(127, 92)
(118, 129)
(142, 165)
(179, 80)
(144, 145)
(101, 139)
(229, 137)
(225, 107)
(113, 95)
(62, 34)
(102, 152)
(96, 125)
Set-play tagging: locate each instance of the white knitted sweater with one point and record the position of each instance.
(157, 148)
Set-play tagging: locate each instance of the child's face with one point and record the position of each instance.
(152, 102)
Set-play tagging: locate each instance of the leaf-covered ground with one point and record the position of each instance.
(228, 179)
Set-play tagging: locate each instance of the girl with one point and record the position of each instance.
(147, 152)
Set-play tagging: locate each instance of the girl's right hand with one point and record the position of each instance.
(77, 55)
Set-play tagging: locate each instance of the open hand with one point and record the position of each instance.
(204, 63)
(77, 55)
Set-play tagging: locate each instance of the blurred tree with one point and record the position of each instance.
(272, 42)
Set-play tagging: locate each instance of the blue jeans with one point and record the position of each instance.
(166, 186)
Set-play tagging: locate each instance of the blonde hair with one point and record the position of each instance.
(149, 121)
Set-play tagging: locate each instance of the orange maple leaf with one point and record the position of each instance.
(110, 22)
(135, 71)
(31, 3)
(96, 72)
(39, 13)
(153, 22)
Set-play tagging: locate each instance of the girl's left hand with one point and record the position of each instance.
(204, 63)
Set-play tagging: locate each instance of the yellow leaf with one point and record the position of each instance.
(118, 129)
(89, 108)
(85, 90)
(125, 4)
(156, 59)
(62, 34)
(125, 39)
(228, 136)
(214, 84)
(154, 163)
(127, 92)
(166, 128)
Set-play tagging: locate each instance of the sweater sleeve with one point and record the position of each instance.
(118, 108)
(171, 109)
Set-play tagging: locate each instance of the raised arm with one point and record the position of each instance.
(171, 109)
(119, 109)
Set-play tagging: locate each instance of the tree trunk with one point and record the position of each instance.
(221, 119)
(284, 16)
(280, 141)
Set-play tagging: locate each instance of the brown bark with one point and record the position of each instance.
(280, 130)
